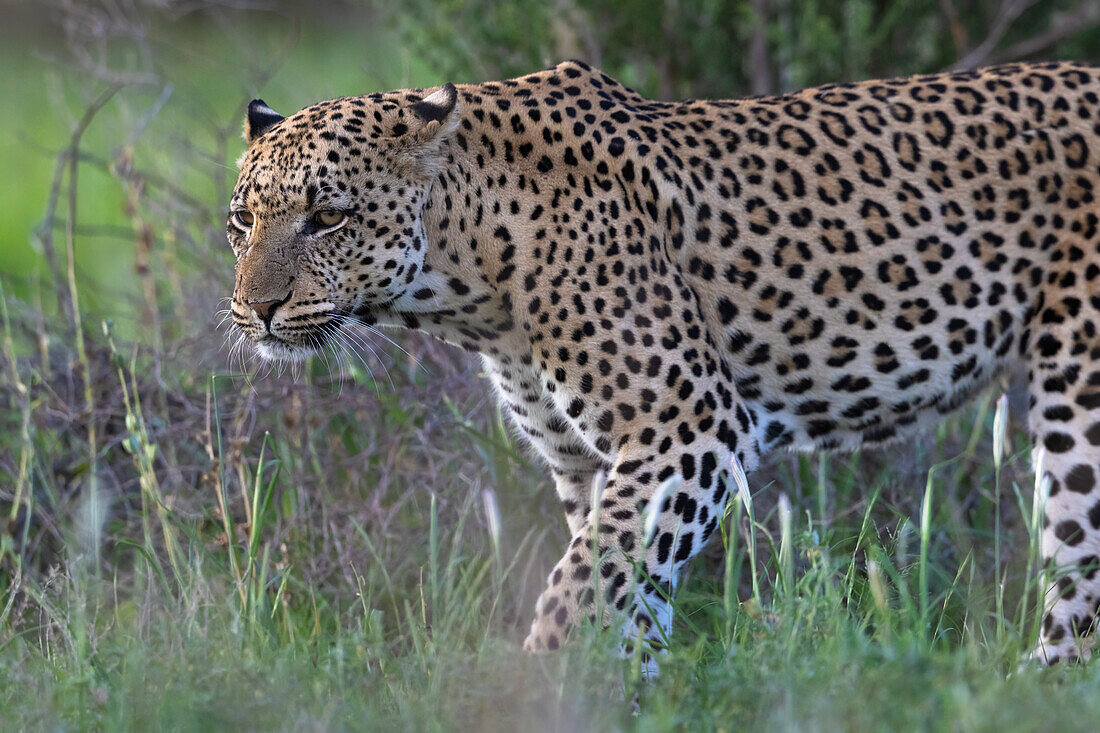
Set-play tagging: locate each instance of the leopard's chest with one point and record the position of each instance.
(524, 398)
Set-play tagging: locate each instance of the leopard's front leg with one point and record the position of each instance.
(574, 465)
(609, 569)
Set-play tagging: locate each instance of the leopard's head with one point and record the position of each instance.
(326, 219)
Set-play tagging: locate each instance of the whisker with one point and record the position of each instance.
(349, 339)
(350, 336)
(382, 335)
(339, 357)
(341, 338)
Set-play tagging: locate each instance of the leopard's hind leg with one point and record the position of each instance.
(1064, 385)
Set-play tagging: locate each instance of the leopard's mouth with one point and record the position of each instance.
(301, 341)
(273, 348)
(306, 343)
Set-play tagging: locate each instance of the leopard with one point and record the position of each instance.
(666, 293)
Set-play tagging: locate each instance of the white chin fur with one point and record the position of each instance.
(270, 351)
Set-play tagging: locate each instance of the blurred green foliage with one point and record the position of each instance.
(703, 48)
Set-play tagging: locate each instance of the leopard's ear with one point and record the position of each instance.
(259, 120)
(440, 106)
(429, 124)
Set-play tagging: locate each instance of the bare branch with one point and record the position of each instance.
(1009, 11)
(45, 229)
(1062, 26)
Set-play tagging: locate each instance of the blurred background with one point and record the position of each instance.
(119, 407)
(153, 91)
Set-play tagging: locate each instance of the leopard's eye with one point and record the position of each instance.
(242, 219)
(329, 218)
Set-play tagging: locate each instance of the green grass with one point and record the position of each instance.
(877, 620)
(183, 547)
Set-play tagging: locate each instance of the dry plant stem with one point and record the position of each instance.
(45, 237)
(74, 300)
(142, 232)
(25, 409)
(172, 267)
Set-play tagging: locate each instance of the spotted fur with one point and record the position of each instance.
(657, 288)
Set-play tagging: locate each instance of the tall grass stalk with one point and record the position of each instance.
(654, 507)
(379, 562)
(730, 530)
(925, 540)
(742, 483)
(256, 574)
(1000, 428)
(492, 525)
(216, 454)
(879, 596)
(786, 548)
(433, 560)
(822, 489)
(144, 451)
(1035, 546)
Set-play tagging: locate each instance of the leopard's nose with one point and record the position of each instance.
(265, 309)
